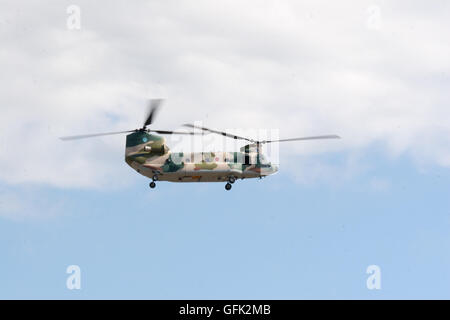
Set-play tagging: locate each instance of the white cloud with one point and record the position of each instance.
(310, 67)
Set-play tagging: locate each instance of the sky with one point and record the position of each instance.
(374, 72)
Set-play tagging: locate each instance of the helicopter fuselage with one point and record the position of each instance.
(149, 155)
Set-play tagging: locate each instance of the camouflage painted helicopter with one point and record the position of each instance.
(148, 154)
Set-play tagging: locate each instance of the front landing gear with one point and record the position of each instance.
(152, 184)
(228, 186)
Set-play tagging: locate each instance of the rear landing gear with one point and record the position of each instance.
(228, 186)
(231, 179)
(154, 178)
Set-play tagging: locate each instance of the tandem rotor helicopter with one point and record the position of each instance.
(148, 154)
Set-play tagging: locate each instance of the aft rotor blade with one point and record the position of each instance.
(226, 134)
(84, 136)
(175, 132)
(152, 110)
(303, 138)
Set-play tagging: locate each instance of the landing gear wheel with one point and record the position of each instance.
(228, 186)
(155, 177)
(152, 184)
(231, 179)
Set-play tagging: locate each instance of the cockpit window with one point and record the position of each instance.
(262, 159)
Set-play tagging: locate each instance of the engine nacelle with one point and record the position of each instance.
(157, 150)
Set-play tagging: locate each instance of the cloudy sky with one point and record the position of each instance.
(374, 72)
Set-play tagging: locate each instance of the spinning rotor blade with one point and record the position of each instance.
(175, 132)
(153, 107)
(84, 136)
(229, 135)
(303, 138)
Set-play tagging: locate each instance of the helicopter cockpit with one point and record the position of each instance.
(263, 161)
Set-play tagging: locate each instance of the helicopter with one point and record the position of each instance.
(147, 153)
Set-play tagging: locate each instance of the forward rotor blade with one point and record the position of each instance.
(226, 134)
(175, 132)
(303, 138)
(153, 107)
(84, 136)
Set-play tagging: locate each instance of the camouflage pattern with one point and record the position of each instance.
(149, 155)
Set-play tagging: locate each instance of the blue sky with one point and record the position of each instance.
(266, 239)
(374, 72)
